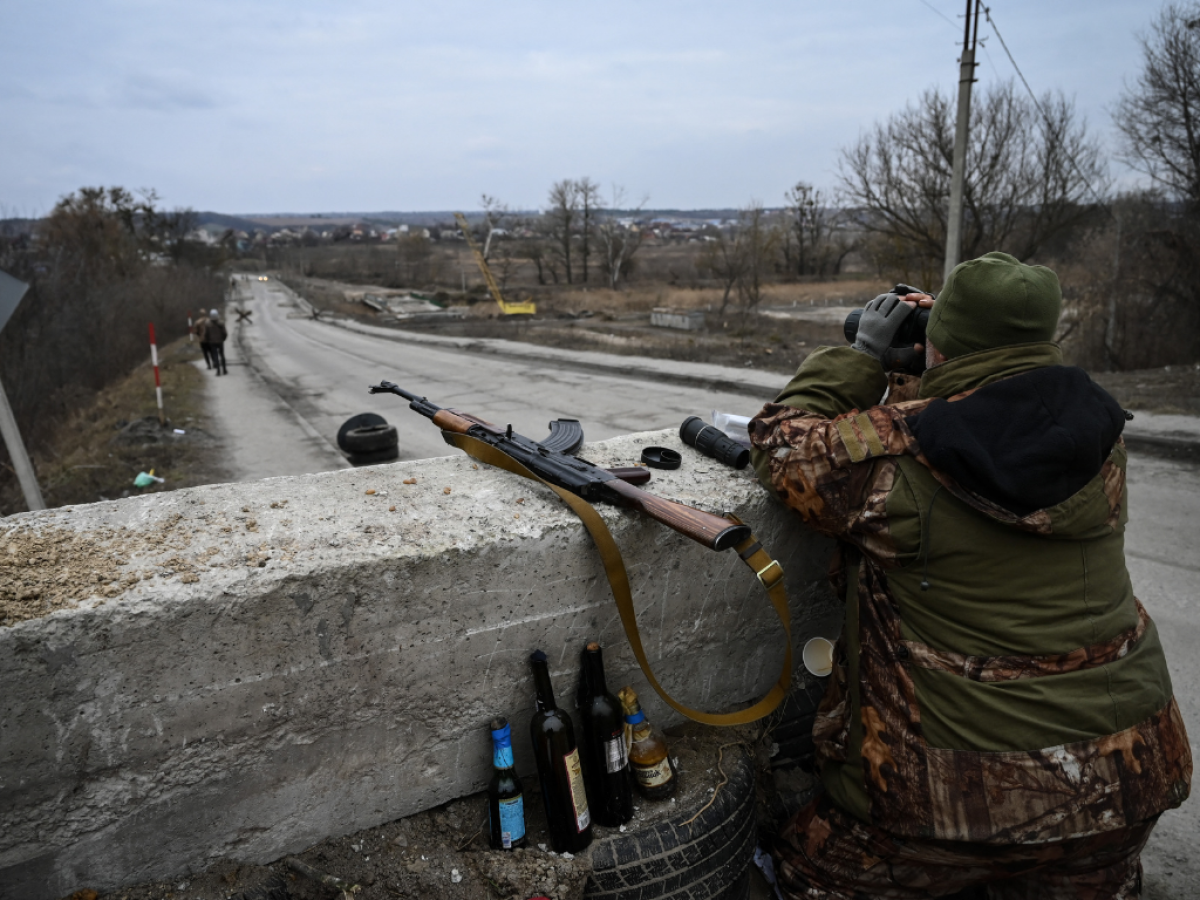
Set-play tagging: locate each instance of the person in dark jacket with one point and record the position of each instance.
(215, 336)
(198, 329)
(1000, 711)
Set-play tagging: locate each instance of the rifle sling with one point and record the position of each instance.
(769, 572)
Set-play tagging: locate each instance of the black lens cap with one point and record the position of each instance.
(661, 458)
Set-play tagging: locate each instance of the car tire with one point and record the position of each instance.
(360, 421)
(370, 439)
(707, 860)
(375, 456)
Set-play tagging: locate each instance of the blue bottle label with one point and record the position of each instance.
(512, 821)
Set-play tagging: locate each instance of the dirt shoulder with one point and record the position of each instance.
(99, 452)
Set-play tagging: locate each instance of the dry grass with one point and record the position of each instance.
(645, 297)
(92, 458)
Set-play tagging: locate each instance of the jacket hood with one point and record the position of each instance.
(1025, 443)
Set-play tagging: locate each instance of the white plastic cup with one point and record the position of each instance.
(818, 656)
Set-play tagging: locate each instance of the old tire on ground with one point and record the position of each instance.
(707, 860)
(370, 438)
(375, 456)
(360, 421)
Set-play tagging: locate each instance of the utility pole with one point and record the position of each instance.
(966, 76)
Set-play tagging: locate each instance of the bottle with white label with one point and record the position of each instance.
(506, 803)
(653, 771)
(559, 769)
(605, 760)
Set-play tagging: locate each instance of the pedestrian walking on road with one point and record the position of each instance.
(198, 329)
(214, 336)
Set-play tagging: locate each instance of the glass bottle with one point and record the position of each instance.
(649, 758)
(605, 760)
(506, 804)
(559, 769)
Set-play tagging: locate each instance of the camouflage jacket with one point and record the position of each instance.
(996, 679)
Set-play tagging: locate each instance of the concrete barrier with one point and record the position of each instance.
(241, 670)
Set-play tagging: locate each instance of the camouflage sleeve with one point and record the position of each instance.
(824, 468)
(834, 380)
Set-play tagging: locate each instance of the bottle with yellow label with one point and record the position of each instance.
(649, 758)
(559, 769)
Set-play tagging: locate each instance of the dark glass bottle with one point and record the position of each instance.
(559, 769)
(653, 771)
(605, 761)
(506, 804)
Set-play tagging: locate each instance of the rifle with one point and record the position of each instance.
(552, 461)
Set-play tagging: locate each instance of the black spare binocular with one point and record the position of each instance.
(912, 331)
(710, 441)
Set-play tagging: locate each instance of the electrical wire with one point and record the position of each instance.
(940, 13)
(987, 11)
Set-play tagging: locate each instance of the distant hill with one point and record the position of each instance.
(237, 223)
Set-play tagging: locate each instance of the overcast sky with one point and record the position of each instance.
(304, 106)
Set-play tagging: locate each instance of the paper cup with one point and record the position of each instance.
(818, 656)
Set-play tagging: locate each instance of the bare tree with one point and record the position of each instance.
(723, 257)
(759, 245)
(589, 205)
(806, 226)
(1159, 114)
(493, 213)
(1031, 169)
(562, 219)
(618, 242)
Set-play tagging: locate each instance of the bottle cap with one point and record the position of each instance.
(661, 458)
(501, 733)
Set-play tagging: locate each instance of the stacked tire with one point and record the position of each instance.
(706, 859)
(367, 439)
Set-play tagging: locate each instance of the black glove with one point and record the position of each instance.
(880, 321)
(903, 359)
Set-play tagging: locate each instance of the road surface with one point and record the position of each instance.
(293, 381)
(320, 374)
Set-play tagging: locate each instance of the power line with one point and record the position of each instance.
(987, 11)
(940, 13)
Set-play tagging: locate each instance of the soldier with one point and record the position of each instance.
(198, 329)
(1000, 711)
(215, 335)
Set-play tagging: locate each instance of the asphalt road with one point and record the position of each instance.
(293, 381)
(320, 374)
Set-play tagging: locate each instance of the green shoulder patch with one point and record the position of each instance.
(860, 437)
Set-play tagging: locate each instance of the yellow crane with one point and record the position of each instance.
(525, 308)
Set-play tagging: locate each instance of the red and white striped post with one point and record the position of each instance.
(191, 337)
(162, 419)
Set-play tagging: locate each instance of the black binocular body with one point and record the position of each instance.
(911, 332)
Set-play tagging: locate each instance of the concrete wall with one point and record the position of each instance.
(280, 661)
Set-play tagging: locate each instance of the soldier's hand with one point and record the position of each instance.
(904, 359)
(880, 321)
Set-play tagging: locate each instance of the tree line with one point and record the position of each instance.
(101, 266)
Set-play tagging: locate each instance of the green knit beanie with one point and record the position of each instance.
(994, 301)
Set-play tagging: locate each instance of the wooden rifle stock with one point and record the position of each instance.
(711, 530)
(460, 423)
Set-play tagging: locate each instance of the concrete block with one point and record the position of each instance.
(263, 665)
(686, 319)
